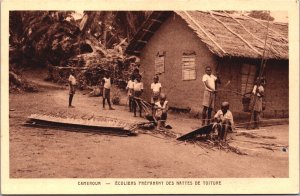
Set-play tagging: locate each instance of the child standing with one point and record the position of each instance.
(258, 92)
(106, 82)
(156, 89)
(72, 86)
(129, 89)
(137, 92)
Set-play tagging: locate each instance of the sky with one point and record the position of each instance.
(280, 16)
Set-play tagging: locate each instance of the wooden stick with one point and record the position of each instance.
(190, 17)
(236, 34)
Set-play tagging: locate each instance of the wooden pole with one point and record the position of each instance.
(260, 73)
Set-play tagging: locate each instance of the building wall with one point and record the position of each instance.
(175, 37)
(277, 89)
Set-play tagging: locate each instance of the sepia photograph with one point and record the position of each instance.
(141, 96)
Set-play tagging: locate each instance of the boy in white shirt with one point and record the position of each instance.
(129, 89)
(156, 89)
(137, 91)
(72, 86)
(106, 82)
(223, 121)
(209, 81)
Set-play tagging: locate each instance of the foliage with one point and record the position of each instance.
(263, 15)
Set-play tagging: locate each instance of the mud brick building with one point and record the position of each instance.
(178, 45)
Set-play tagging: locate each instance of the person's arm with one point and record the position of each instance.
(218, 80)
(208, 86)
(217, 117)
(142, 87)
(254, 90)
(166, 108)
(102, 82)
(160, 89)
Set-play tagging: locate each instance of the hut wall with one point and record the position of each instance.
(277, 89)
(174, 38)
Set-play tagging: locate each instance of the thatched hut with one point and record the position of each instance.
(178, 45)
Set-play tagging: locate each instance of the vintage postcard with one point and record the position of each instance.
(148, 97)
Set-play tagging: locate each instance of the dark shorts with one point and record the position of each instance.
(72, 90)
(106, 93)
(137, 93)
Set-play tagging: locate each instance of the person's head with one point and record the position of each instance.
(163, 97)
(155, 79)
(208, 70)
(225, 106)
(107, 73)
(132, 77)
(139, 78)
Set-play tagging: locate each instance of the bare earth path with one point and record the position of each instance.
(49, 153)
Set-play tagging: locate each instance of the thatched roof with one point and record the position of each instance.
(223, 34)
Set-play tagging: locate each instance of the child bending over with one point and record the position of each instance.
(161, 108)
(223, 121)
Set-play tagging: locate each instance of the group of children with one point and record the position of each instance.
(223, 119)
(158, 100)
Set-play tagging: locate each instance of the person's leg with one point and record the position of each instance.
(109, 104)
(70, 99)
(103, 102)
(164, 117)
(134, 107)
(140, 107)
(130, 103)
(209, 111)
(219, 129)
(257, 120)
(204, 115)
(225, 128)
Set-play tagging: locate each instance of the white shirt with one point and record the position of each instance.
(211, 79)
(130, 84)
(138, 86)
(72, 79)
(260, 90)
(227, 116)
(155, 87)
(161, 107)
(107, 83)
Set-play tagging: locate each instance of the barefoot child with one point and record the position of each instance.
(137, 92)
(161, 108)
(106, 82)
(129, 89)
(72, 86)
(223, 121)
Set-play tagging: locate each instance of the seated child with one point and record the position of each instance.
(161, 109)
(223, 121)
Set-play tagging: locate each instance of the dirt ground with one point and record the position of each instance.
(50, 153)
